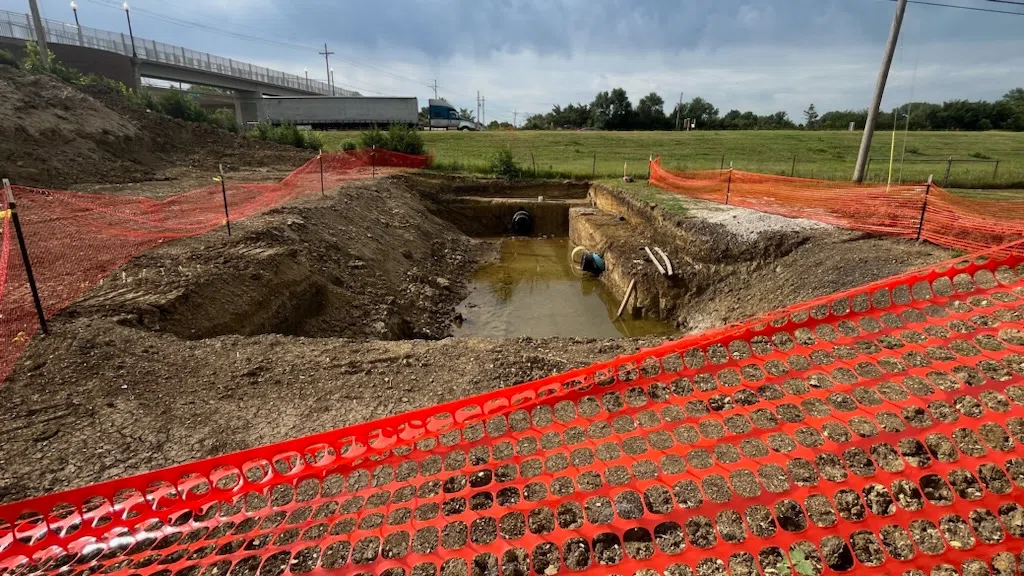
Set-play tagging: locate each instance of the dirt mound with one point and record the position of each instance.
(368, 261)
(56, 135)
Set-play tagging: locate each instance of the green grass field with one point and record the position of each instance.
(829, 155)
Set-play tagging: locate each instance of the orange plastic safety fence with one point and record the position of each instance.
(76, 240)
(918, 211)
(878, 428)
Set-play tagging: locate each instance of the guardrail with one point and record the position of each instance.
(19, 26)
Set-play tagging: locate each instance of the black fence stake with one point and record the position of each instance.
(373, 161)
(996, 171)
(728, 186)
(924, 207)
(534, 161)
(320, 156)
(650, 160)
(593, 170)
(949, 166)
(224, 193)
(24, 257)
(722, 166)
(792, 172)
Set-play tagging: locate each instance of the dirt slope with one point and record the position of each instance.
(55, 135)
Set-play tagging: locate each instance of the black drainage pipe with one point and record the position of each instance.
(522, 223)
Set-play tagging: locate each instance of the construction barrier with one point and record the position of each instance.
(920, 211)
(75, 240)
(878, 429)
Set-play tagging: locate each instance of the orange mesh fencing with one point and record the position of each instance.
(922, 211)
(75, 240)
(879, 428)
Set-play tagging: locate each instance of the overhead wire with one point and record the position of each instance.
(971, 8)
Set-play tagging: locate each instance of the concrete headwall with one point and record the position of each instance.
(492, 217)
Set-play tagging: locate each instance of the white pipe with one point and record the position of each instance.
(668, 263)
(629, 292)
(572, 257)
(655, 260)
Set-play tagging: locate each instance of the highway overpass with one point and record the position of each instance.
(109, 54)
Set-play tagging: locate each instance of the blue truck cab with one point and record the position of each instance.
(444, 116)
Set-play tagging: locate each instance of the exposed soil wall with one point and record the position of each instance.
(492, 217)
(448, 186)
(729, 271)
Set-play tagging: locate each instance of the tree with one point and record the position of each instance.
(650, 113)
(467, 114)
(811, 117)
(600, 110)
(621, 117)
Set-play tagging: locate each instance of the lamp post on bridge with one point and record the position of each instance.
(74, 8)
(127, 13)
(306, 71)
(332, 82)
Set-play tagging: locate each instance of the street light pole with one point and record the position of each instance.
(127, 13)
(74, 8)
(306, 70)
(332, 83)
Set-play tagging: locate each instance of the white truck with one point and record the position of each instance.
(442, 115)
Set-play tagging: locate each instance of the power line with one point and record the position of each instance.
(1007, 2)
(971, 8)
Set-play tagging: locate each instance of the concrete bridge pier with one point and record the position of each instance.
(249, 106)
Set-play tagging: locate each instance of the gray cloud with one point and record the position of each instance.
(763, 55)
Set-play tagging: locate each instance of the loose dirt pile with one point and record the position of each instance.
(56, 135)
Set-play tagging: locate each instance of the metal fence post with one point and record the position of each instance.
(722, 166)
(924, 207)
(792, 171)
(224, 193)
(949, 166)
(13, 208)
(320, 157)
(534, 161)
(728, 186)
(996, 171)
(593, 170)
(373, 161)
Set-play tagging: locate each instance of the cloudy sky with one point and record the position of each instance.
(524, 56)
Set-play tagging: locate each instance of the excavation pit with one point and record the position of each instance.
(532, 289)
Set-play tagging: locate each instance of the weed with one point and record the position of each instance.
(348, 145)
(402, 138)
(8, 59)
(980, 155)
(373, 138)
(503, 164)
(801, 565)
(286, 134)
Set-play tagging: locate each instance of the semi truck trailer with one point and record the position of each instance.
(336, 112)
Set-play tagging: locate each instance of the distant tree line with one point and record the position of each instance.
(614, 111)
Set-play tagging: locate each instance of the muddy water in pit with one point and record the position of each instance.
(532, 290)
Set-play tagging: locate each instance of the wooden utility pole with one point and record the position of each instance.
(435, 88)
(37, 23)
(327, 63)
(678, 110)
(876, 99)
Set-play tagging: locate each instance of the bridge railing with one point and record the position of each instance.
(18, 25)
